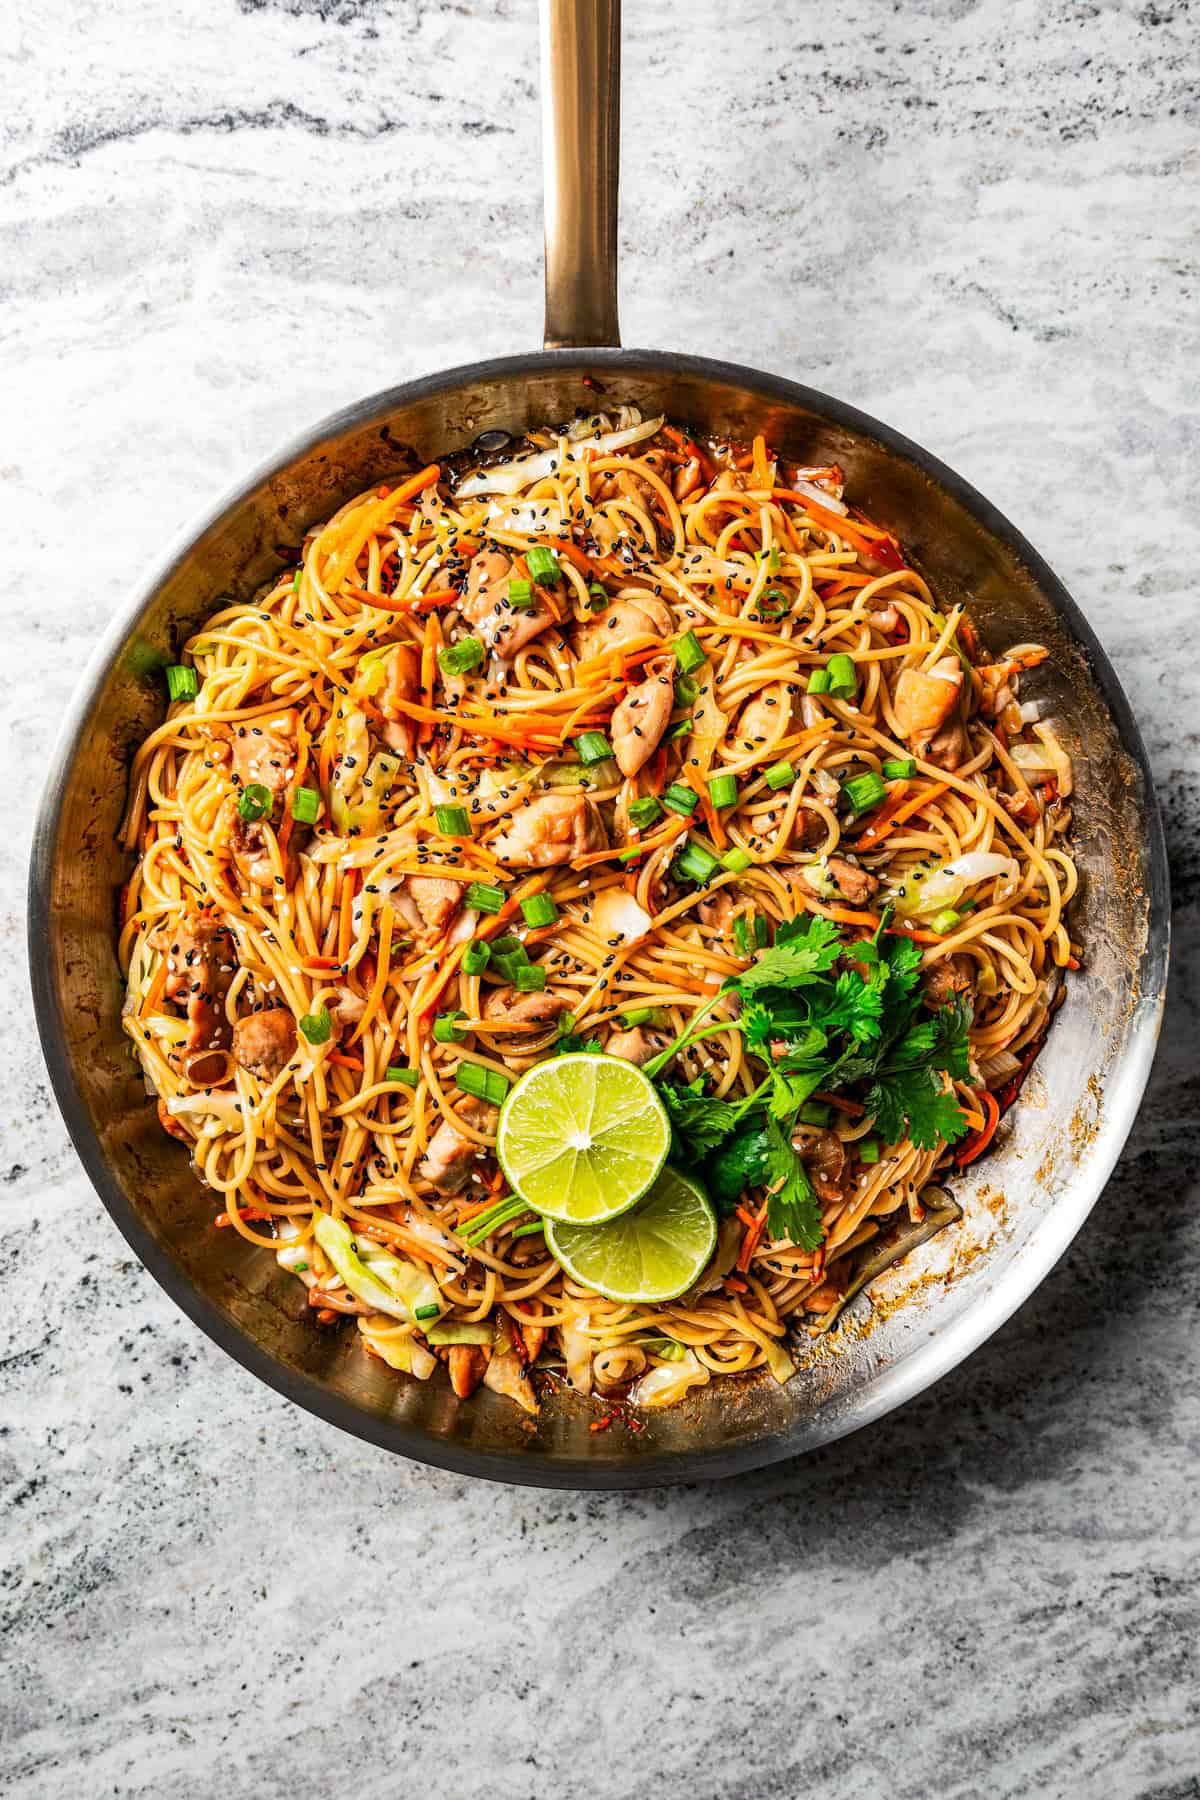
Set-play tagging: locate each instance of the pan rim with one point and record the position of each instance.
(921, 1366)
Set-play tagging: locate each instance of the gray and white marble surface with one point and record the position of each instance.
(977, 219)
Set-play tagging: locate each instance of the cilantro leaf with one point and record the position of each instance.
(856, 1005)
(803, 951)
(700, 1121)
(792, 1208)
(790, 1089)
(912, 1099)
(740, 1163)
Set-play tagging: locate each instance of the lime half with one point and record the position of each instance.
(582, 1137)
(652, 1252)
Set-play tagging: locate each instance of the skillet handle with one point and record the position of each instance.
(581, 121)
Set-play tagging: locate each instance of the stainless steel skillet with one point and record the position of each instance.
(1022, 1205)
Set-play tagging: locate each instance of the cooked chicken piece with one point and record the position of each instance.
(824, 1156)
(949, 977)
(201, 963)
(509, 1006)
(854, 885)
(399, 732)
(637, 1045)
(646, 616)
(924, 701)
(554, 828)
(349, 1007)
(466, 1363)
(687, 478)
(640, 720)
(449, 1156)
(883, 618)
(831, 1290)
(503, 627)
(808, 829)
(427, 903)
(1020, 805)
(264, 1042)
(264, 754)
(761, 722)
(503, 1375)
(950, 748)
(717, 911)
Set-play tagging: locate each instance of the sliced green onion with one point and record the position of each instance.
(741, 935)
(593, 747)
(681, 799)
(539, 909)
(446, 1029)
(780, 775)
(566, 1023)
(723, 791)
(481, 1083)
(456, 659)
(403, 1077)
(641, 1015)
(815, 1112)
(427, 1312)
(775, 604)
(686, 691)
(527, 1230)
(688, 652)
(480, 897)
(597, 595)
(317, 1027)
(899, 769)
(946, 921)
(695, 863)
(306, 804)
(864, 791)
(680, 729)
(476, 957)
(452, 821)
(762, 931)
(520, 594)
(818, 681)
(182, 683)
(531, 979)
(868, 1150)
(296, 581)
(543, 565)
(644, 812)
(843, 676)
(255, 801)
(736, 860)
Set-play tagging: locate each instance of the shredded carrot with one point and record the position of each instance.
(889, 818)
(345, 1062)
(976, 1145)
(850, 1107)
(830, 521)
(736, 1285)
(346, 913)
(762, 474)
(750, 1241)
(690, 447)
(154, 991)
(429, 650)
(417, 603)
(249, 1215)
(712, 819)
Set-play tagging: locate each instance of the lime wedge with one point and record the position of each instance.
(652, 1252)
(582, 1137)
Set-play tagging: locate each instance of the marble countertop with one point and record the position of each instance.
(975, 219)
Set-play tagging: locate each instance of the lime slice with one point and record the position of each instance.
(652, 1252)
(582, 1137)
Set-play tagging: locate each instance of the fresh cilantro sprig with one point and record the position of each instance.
(821, 1014)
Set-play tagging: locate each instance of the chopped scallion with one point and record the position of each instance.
(780, 775)
(530, 979)
(255, 801)
(427, 1312)
(723, 791)
(736, 860)
(644, 812)
(741, 935)
(864, 791)
(306, 804)
(868, 1150)
(899, 769)
(695, 863)
(457, 658)
(818, 681)
(446, 1029)
(539, 910)
(520, 594)
(476, 957)
(182, 683)
(402, 1077)
(593, 747)
(946, 921)
(843, 676)
(480, 897)
(688, 652)
(681, 799)
(317, 1027)
(481, 1083)
(543, 566)
(452, 821)
(815, 1112)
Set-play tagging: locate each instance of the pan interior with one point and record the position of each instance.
(1022, 1205)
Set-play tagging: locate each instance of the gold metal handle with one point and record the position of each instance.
(581, 121)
